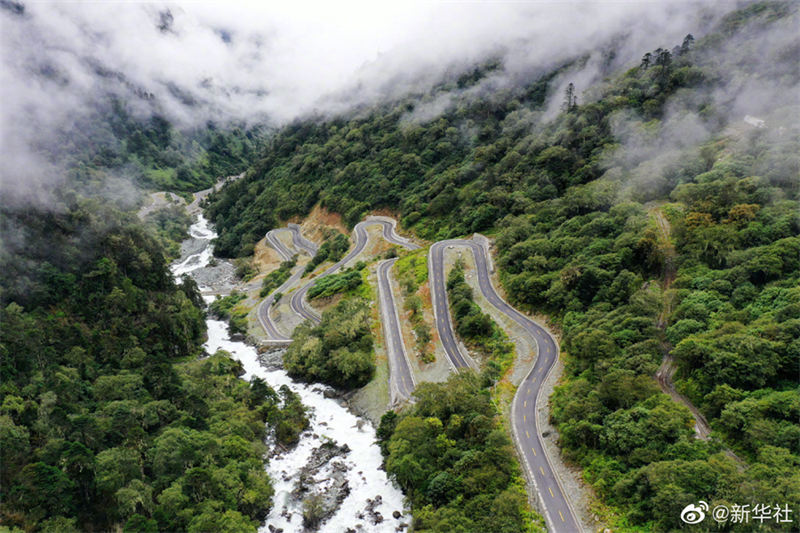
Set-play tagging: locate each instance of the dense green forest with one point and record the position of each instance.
(647, 219)
(454, 460)
(637, 236)
(338, 351)
(108, 418)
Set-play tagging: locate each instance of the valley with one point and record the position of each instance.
(437, 267)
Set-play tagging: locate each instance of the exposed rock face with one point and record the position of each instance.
(221, 276)
(271, 358)
(322, 484)
(372, 515)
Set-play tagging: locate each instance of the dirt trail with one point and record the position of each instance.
(667, 369)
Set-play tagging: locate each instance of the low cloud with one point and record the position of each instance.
(277, 62)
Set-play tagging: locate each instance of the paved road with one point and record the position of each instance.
(273, 241)
(299, 303)
(264, 318)
(273, 335)
(300, 242)
(557, 510)
(390, 231)
(401, 379)
(441, 313)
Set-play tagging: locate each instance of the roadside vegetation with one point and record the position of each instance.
(412, 272)
(454, 461)
(277, 277)
(338, 351)
(349, 281)
(477, 329)
(332, 249)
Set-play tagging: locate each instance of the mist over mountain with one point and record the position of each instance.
(193, 63)
(633, 166)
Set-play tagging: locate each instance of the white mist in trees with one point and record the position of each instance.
(277, 62)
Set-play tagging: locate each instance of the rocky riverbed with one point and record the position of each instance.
(332, 480)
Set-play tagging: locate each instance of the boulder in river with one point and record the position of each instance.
(322, 484)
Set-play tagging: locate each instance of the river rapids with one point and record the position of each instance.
(370, 502)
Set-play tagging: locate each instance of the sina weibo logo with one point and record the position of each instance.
(694, 514)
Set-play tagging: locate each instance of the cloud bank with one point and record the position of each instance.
(278, 61)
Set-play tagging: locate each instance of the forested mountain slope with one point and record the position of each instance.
(108, 420)
(119, 139)
(107, 417)
(569, 201)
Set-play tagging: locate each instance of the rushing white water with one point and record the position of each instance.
(200, 231)
(328, 421)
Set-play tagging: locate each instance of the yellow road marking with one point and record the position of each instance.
(551, 492)
(541, 470)
(534, 379)
(527, 434)
(524, 418)
(529, 390)
(562, 516)
(525, 403)
(534, 452)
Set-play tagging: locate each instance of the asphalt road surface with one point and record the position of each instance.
(558, 512)
(264, 318)
(272, 239)
(299, 304)
(300, 242)
(401, 379)
(273, 335)
(444, 324)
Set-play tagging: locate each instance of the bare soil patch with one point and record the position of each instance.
(317, 221)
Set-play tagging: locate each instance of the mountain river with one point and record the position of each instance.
(351, 474)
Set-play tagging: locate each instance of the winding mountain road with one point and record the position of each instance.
(299, 303)
(273, 335)
(401, 379)
(441, 312)
(527, 436)
(555, 504)
(274, 242)
(300, 242)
